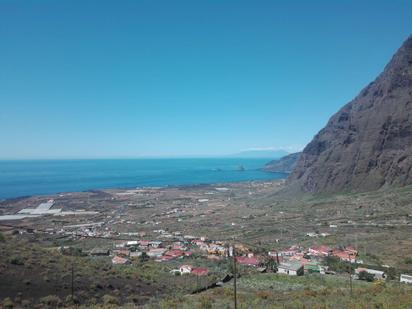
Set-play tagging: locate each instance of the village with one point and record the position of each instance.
(176, 246)
(292, 261)
(202, 236)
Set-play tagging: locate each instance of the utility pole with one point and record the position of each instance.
(197, 281)
(72, 289)
(234, 278)
(356, 242)
(350, 275)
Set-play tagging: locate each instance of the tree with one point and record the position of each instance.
(144, 257)
(271, 264)
(363, 275)
(8, 303)
(16, 260)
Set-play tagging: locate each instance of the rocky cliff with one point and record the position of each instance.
(285, 164)
(368, 143)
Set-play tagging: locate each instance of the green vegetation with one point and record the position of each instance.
(8, 303)
(408, 261)
(110, 300)
(51, 301)
(375, 223)
(309, 291)
(337, 265)
(39, 270)
(363, 275)
(144, 257)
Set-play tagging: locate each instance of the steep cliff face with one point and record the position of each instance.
(368, 143)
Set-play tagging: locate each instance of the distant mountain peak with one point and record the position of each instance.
(368, 143)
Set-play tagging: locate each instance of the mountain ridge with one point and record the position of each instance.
(367, 144)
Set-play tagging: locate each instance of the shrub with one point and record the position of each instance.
(337, 265)
(408, 261)
(110, 300)
(27, 281)
(392, 273)
(70, 301)
(169, 303)
(52, 301)
(363, 275)
(26, 303)
(144, 257)
(205, 303)
(263, 294)
(16, 260)
(309, 292)
(8, 303)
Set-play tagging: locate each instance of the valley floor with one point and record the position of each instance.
(196, 226)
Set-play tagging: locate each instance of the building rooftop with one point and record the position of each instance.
(292, 265)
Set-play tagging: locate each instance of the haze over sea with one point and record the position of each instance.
(36, 177)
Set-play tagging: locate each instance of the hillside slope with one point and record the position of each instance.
(368, 143)
(285, 164)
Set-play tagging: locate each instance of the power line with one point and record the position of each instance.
(234, 277)
(72, 288)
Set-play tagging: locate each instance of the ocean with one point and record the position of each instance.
(36, 177)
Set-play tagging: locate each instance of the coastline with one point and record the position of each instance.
(30, 178)
(115, 189)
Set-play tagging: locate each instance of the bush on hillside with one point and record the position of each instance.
(363, 275)
(51, 301)
(16, 260)
(8, 303)
(110, 300)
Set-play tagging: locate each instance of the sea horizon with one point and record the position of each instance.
(30, 177)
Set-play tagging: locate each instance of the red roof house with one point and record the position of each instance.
(122, 252)
(144, 243)
(250, 261)
(320, 251)
(200, 271)
(175, 253)
(118, 260)
(344, 255)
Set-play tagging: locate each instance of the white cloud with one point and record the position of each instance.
(288, 148)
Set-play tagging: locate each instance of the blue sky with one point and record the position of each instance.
(174, 78)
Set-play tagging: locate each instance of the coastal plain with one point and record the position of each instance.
(259, 217)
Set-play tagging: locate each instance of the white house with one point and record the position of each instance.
(292, 268)
(185, 269)
(135, 254)
(406, 278)
(155, 244)
(377, 273)
(156, 252)
(131, 243)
